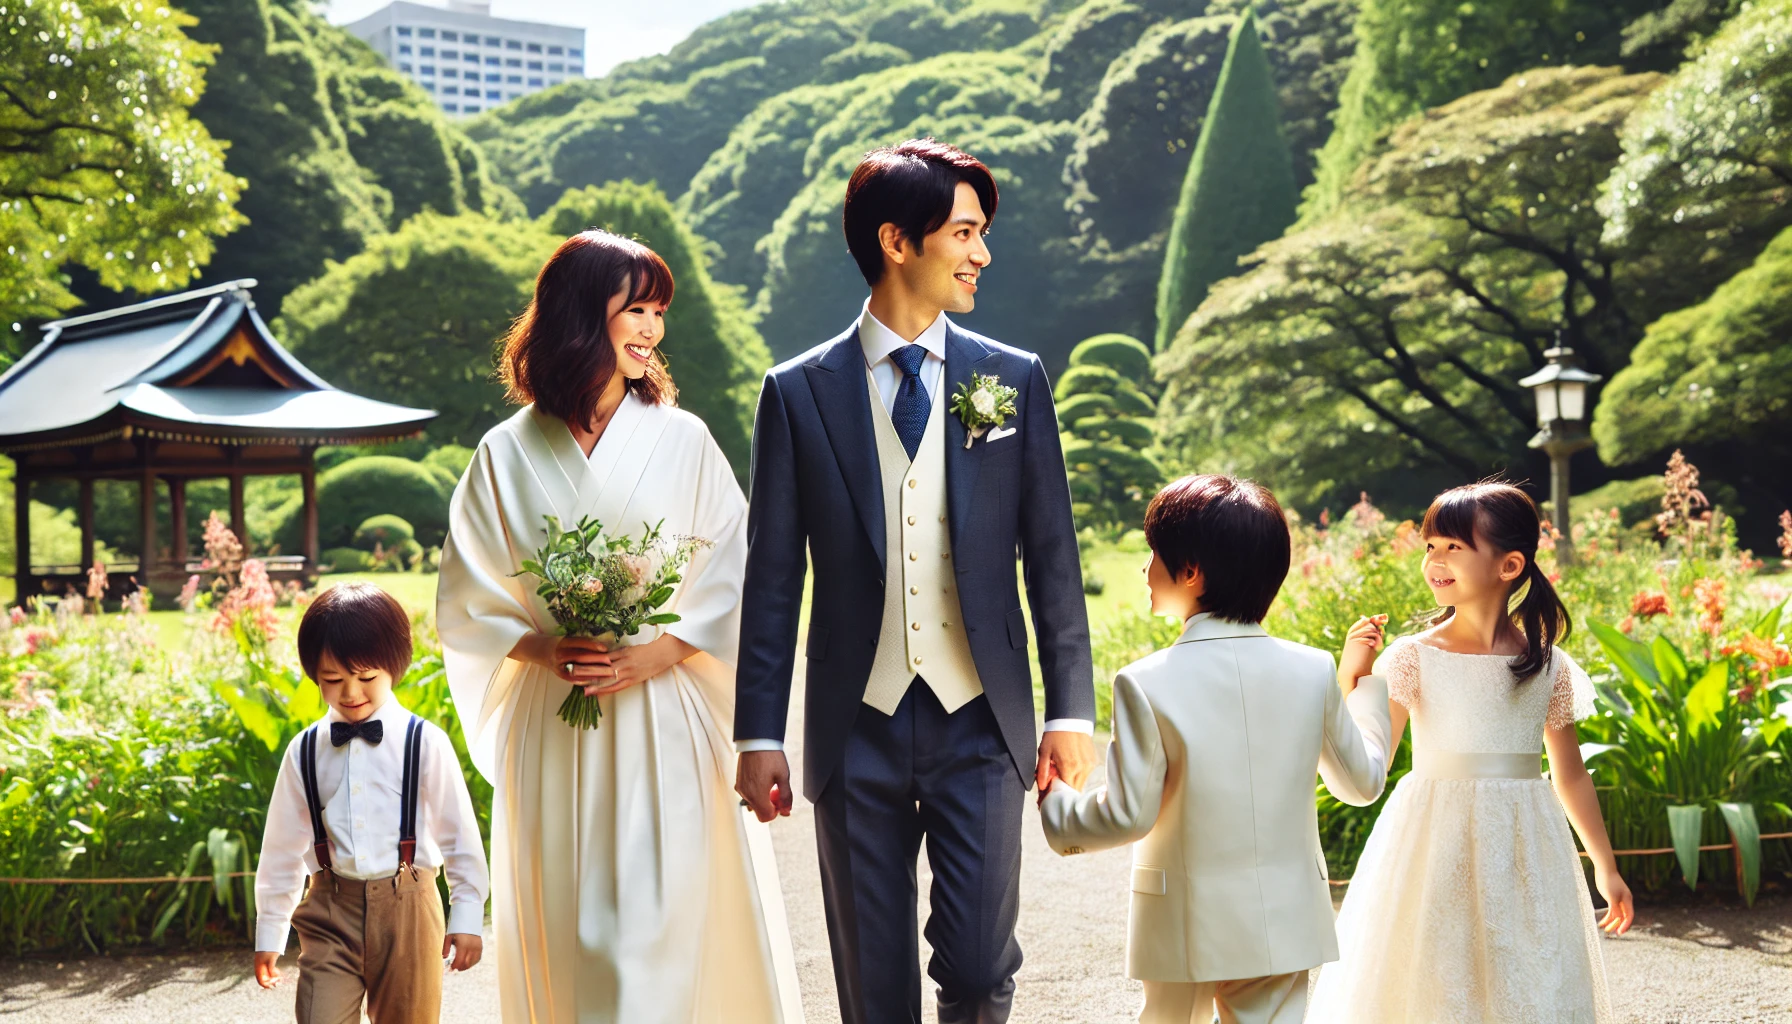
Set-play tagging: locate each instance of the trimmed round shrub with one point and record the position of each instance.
(384, 530)
(454, 458)
(346, 560)
(1122, 353)
(361, 488)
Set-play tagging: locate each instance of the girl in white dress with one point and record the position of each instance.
(626, 886)
(1469, 903)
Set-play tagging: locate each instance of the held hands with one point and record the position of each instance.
(762, 778)
(1620, 911)
(1064, 755)
(267, 975)
(466, 949)
(1360, 647)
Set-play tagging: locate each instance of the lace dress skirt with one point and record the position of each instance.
(1469, 904)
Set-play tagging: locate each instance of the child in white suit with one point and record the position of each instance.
(1216, 743)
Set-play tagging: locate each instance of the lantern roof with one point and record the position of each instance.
(200, 365)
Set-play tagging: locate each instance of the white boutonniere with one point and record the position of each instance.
(986, 403)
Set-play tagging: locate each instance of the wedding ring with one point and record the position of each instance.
(567, 668)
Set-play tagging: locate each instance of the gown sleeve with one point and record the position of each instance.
(709, 602)
(481, 609)
(1399, 665)
(1571, 698)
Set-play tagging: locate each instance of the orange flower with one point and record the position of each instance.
(1709, 594)
(1648, 605)
(1628, 624)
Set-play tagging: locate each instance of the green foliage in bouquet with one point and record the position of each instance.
(607, 588)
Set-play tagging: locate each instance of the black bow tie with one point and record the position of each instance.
(372, 730)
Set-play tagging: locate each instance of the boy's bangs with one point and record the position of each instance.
(1452, 515)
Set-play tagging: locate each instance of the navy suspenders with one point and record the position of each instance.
(407, 805)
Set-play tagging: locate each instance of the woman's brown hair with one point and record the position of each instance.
(1506, 518)
(558, 352)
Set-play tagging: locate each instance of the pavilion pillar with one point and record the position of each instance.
(85, 512)
(308, 484)
(238, 523)
(177, 507)
(146, 515)
(21, 533)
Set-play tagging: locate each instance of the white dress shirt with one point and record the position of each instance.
(879, 343)
(360, 785)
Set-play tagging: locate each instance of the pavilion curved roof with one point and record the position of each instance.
(197, 366)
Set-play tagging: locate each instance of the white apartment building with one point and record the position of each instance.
(467, 59)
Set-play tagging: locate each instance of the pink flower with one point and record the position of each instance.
(638, 567)
(592, 586)
(96, 581)
(189, 593)
(18, 616)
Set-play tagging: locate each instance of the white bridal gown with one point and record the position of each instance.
(626, 885)
(1469, 903)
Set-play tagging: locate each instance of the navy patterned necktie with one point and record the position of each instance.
(909, 412)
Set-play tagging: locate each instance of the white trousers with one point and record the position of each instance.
(1276, 999)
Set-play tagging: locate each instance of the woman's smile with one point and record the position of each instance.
(642, 352)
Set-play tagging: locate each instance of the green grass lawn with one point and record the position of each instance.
(415, 590)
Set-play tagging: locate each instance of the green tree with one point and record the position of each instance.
(1379, 347)
(1105, 411)
(1239, 191)
(716, 356)
(1714, 378)
(1415, 54)
(105, 165)
(413, 319)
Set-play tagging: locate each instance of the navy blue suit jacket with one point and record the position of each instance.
(817, 492)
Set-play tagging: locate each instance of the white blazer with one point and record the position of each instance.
(1216, 741)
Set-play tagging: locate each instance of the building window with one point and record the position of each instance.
(534, 47)
(556, 67)
(573, 51)
(472, 108)
(404, 30)
(426, 51)
(512, 44)
(514, 79)
(492, 40)
(491, 77)
(449, 37)
(493, 94)
(404, 48)
(450, 54)
(427, 69)
(404, 66)
(492, 61)
(555, 51)
(426, 33)
(516, 95)
(450, 72)
(472, 58)
(535, 65)
(554, 81)
(449, 107)
(512, 62)
(577, 69)
(429, 86)
(534, 83)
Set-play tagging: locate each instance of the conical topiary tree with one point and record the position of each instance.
(1105, 410)
(1239, 191)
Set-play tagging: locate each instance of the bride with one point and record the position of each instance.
(626, 885)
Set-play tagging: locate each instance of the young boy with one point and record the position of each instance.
(369, 803)
(1216, 742)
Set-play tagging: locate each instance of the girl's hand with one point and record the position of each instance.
(266, 974)
(576, 659)
(1620, 911)
(632, 666)
(1360, 647)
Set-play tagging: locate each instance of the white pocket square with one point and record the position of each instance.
(997, 435)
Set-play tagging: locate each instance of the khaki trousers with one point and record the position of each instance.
(380, 940)
(1277, 999)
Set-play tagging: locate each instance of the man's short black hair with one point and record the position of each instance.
(1233, 530)
(913, 186)
(359, 625)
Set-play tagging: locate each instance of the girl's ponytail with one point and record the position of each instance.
(1543, 618)
(1506, 518)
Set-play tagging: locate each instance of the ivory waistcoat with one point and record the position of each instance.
(923, 630)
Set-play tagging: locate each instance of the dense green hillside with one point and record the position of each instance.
(1087, 111)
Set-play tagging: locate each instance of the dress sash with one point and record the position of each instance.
(1461, 764)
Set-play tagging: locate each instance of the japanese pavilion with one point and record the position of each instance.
(186, 386)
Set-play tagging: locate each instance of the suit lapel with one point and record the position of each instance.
(837, 380)
(964, 356)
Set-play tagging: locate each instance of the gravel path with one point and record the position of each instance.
(1680, 965)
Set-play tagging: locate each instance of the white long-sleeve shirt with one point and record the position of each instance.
(360, 784)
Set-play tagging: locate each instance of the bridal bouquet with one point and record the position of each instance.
(606, 588)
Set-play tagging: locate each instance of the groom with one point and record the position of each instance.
(919, 716)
